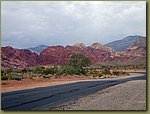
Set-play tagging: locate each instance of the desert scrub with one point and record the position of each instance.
(106, 71)
(79, 60)
(15, 77)
(120, 73)
(52, 70)
(70, 70)
(76, 64)
(4, 77)
(95, 73)
(37, 69)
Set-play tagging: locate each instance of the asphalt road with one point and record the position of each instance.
(45, 98)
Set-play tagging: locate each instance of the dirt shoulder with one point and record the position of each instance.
(13, 85)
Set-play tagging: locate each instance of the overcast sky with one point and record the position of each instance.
(28, 24)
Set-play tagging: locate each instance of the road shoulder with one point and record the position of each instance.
(130, 95)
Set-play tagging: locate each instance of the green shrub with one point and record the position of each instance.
(84, 71)
(73, 70)
(52, 70)
(70, 70)
(115, 73)
(106, 72)
(38, 69)
(3, 77)
(9, 70)
(15, 77)
(95, 73)
(119, 73)
(60, 71)
(79, 60)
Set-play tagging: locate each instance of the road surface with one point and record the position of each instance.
(45, 98)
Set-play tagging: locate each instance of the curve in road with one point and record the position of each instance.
(45, 98)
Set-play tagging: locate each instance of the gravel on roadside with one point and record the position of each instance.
(130, 95)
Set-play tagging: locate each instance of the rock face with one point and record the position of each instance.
(54, 55)
(103, 47)
(80, 45)
(15, 58)
(121, 45)
(59, 55)
(132, 55)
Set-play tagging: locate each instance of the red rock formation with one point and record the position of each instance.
(58, 55)
(79, 45)
(54, 55)
(132, 55)
(15, 58)
(103, 47)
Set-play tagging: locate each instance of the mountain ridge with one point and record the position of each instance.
(120, 45)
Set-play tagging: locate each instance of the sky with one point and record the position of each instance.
(27, 24)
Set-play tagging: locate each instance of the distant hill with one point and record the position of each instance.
(140, 42)
(38, 49)
(123, 44)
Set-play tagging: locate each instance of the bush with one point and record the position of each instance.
(115, 73)
(106, 71)
(9, 70)
(38, 70)
(120, 73)
(95, 73)
(60, 71)
(76, 64)
(52, 70)
(70, 70)
(84, 71)
(73, 70)
(79, 60)
(3, 77)
(15, 77)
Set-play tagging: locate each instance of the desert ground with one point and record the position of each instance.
(14, 85)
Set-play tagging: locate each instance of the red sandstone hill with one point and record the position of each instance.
(57, 55)
(60, 54)
(15, 58)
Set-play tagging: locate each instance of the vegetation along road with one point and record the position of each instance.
(46, 98)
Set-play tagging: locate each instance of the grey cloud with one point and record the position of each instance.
(26, 24)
